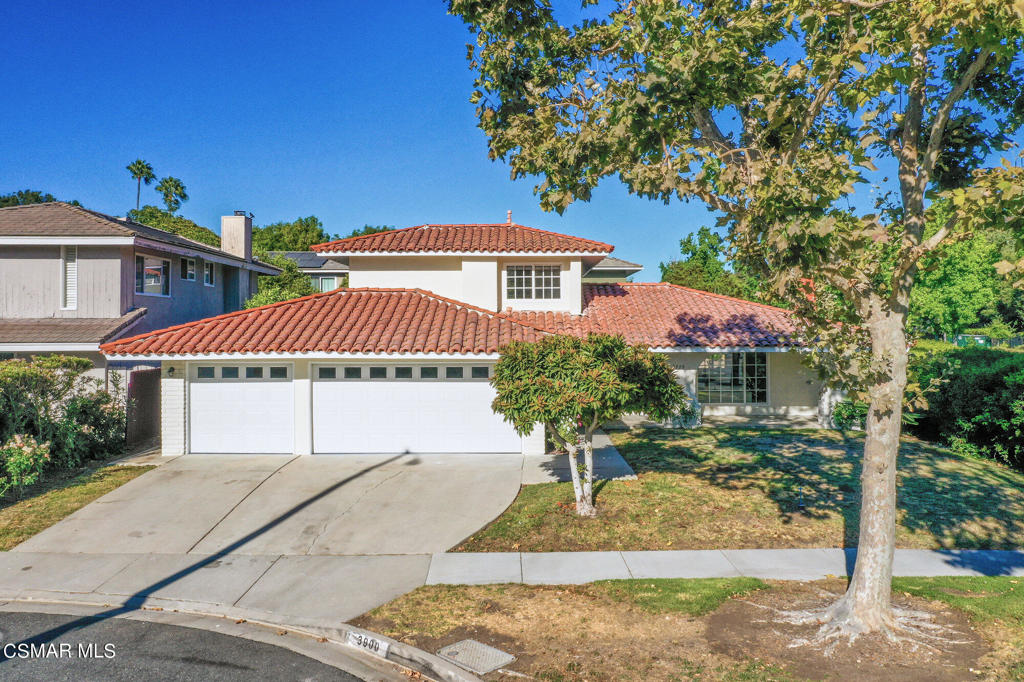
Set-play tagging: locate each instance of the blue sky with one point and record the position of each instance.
(354, 112)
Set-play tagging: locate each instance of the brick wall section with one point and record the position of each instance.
(172, 409)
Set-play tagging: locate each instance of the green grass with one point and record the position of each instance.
(57, 496)
(987, 600)
(722, 487)
(694, 597)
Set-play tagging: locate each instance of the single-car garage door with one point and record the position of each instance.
(241, 409)
(407, 408)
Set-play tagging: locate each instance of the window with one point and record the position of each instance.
(151, 276)
(325, 282)
(452, 372)
(428, 372)
(228, 372)
(533, 281)
(253, 372)
(480, 372)
(69, 277)
(204, 372)
(278, 372)
(353, 372)
(188, 269)
(378, 372)
(327, 373)
(403, 372)
(736, 378)
(208, 272)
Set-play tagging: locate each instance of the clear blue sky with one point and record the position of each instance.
(354, 112)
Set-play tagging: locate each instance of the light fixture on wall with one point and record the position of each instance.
(170, 371)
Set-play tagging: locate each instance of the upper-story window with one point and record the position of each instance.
(152, 276)
(188, 269)
(533, 281)
(208, 274)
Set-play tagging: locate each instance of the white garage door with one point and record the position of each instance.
(420, 409)
(241, 409)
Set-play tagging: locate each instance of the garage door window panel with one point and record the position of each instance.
(205, 372)
(378, 372)
(253, 372)
(353, 373)
(453, 372)
(327, 372)
(403, 372)
(428, 372)
(228, 372)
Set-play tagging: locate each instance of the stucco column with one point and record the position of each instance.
(303, 407)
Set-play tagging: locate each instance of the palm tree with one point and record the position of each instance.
(173, 190)
(143, 173)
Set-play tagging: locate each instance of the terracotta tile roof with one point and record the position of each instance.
(65, 329)
(663, 315)
(477, 238)
(369, 320)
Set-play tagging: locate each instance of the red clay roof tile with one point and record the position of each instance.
(341, 321)
(662, 315)
(476, 238)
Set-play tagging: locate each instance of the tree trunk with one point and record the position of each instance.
(138, 194)
(584, 502)
(587, 507)
(867, 606)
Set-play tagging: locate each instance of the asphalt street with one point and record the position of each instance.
(119, 649)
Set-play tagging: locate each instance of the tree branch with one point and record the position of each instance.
(942, 116)
(912, 255)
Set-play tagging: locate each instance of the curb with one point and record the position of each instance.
(401, 656)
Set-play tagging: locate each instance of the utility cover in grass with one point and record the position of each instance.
(475, 656)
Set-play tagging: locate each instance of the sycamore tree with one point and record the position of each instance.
(573, 385)
(821, 131)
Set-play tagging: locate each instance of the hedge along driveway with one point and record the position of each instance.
(759, 488)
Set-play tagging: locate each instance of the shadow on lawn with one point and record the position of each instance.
(814, 474)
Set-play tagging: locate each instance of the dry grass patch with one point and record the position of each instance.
(708, 630)
(58, 495)
(758, 488)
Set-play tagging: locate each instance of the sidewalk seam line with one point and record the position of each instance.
(237, 504)
(138, 557)
(734, 566)
(258, 578)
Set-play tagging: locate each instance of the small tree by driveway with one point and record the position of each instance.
(573, 385)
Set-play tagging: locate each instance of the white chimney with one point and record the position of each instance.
(236, 234)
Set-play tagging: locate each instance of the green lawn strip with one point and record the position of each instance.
(986, 599)
(57, 496)
(692, 596)
(737, 487)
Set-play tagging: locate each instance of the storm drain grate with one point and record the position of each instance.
(475, 656)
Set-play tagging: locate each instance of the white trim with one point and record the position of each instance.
(144, 243)
(244, 357)
(66, 241)
(509, 254)
(68, 277)
(48, 347)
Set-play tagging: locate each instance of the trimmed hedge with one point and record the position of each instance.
(975, 401)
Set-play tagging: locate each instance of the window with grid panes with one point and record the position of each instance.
(533, 281)
(519, 281)
(547, 281)
(733, 378)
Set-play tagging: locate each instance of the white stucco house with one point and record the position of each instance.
(400, 361)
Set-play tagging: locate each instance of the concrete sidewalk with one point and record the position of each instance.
(325, 591)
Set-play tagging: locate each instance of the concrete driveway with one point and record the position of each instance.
(286, 505)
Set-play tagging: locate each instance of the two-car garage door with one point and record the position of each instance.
(354, 409)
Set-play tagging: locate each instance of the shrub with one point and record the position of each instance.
(976, 401)
(22, 459)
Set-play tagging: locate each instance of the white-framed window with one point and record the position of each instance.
(402, 372)
(209, 272)
(188, 269)
(243, 372)
(324, 282)
(69, 277)
(152, 276)
(533, 282)
(733, 378)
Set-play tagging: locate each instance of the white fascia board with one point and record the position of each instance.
(47, 347)
(154, 245)
(217, 357)
(66, 241)
(726, 349)
(503, 254)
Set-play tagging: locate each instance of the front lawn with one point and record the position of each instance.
(719, 488)
(717, 629)
(59, 494)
